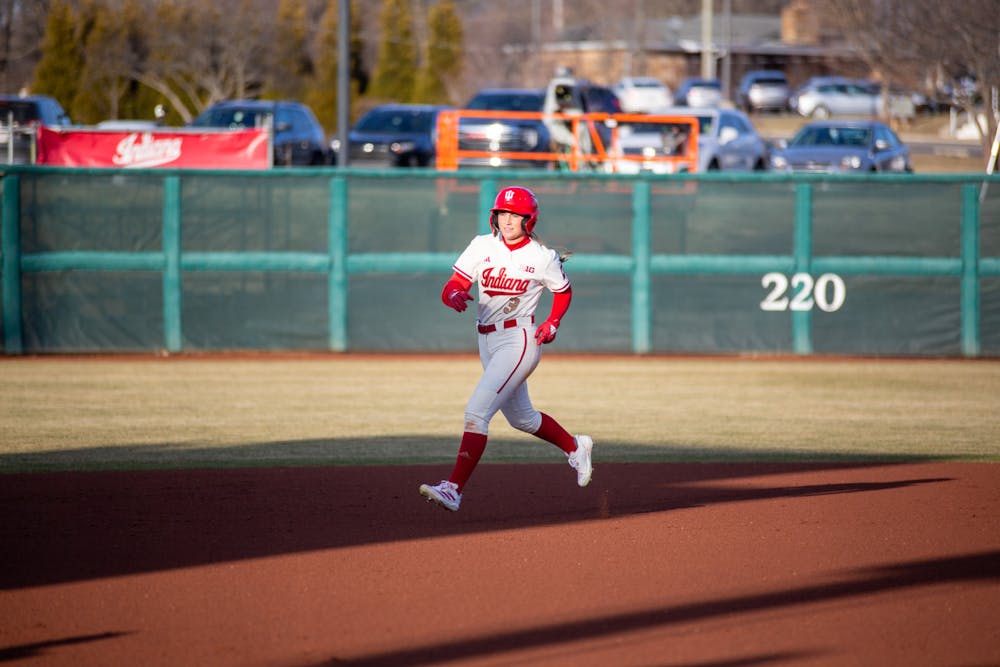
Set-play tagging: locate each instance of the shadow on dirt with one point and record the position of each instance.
(70, 526)
(37, 649)
(973, 567)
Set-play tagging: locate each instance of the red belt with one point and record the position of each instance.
(506, 324)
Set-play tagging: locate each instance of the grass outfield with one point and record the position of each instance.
(117, 413)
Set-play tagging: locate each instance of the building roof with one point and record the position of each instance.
(746, 33)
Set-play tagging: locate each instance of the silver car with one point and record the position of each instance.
(763, 90)
(639, 94)
(843, 147)
(698, 92)
(822, 97)
(727, 141)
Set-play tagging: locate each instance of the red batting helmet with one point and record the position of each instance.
(516, 200)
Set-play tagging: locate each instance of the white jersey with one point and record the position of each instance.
(510, 281)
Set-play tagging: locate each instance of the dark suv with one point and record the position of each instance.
(394, 135)
(298, 137)
(18, 118)
(505, 135)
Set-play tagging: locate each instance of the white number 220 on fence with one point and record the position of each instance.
(826, 292)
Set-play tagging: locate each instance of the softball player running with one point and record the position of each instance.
(511, 269)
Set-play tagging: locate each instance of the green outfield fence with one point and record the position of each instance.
(353, 260)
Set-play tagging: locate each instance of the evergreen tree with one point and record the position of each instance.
(104, 77)
(322, 95)
(58, 71)
(292, 66)
(358, 69)
(395, 70)
(442, 63)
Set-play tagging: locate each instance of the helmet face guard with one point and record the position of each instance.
(517, 200)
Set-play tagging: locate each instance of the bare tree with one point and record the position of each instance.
(970, 52)
(909, 40)
(200, 53)
(22, 25)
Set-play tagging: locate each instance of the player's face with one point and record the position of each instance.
(511, 226)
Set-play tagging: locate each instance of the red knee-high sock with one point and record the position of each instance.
(469, 452)
(551, 431)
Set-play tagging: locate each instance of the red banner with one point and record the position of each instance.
(237, 149)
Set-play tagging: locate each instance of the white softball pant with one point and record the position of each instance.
(508, 356)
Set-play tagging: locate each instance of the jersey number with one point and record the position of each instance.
(512, 305)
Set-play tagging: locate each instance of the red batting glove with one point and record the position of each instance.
(456, 299)
(545, 333)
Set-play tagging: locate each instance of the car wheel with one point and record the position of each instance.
(760, 165)
(821, 112)
(713, 165)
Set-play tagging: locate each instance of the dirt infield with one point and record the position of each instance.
(653, 564)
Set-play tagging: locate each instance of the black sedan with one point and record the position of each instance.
(394, 135)
(842, 147)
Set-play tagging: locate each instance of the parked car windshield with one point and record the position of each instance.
(22, 112)
(832, 136)
(602, 100)
(396, 121)
(229, 117)
(646, 83)
(507, 101)
(705, 124)
(710, 84)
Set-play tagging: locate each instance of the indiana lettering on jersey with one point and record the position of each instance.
(501, 283)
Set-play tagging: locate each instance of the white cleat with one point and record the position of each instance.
(444, 493)
(579, 460)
